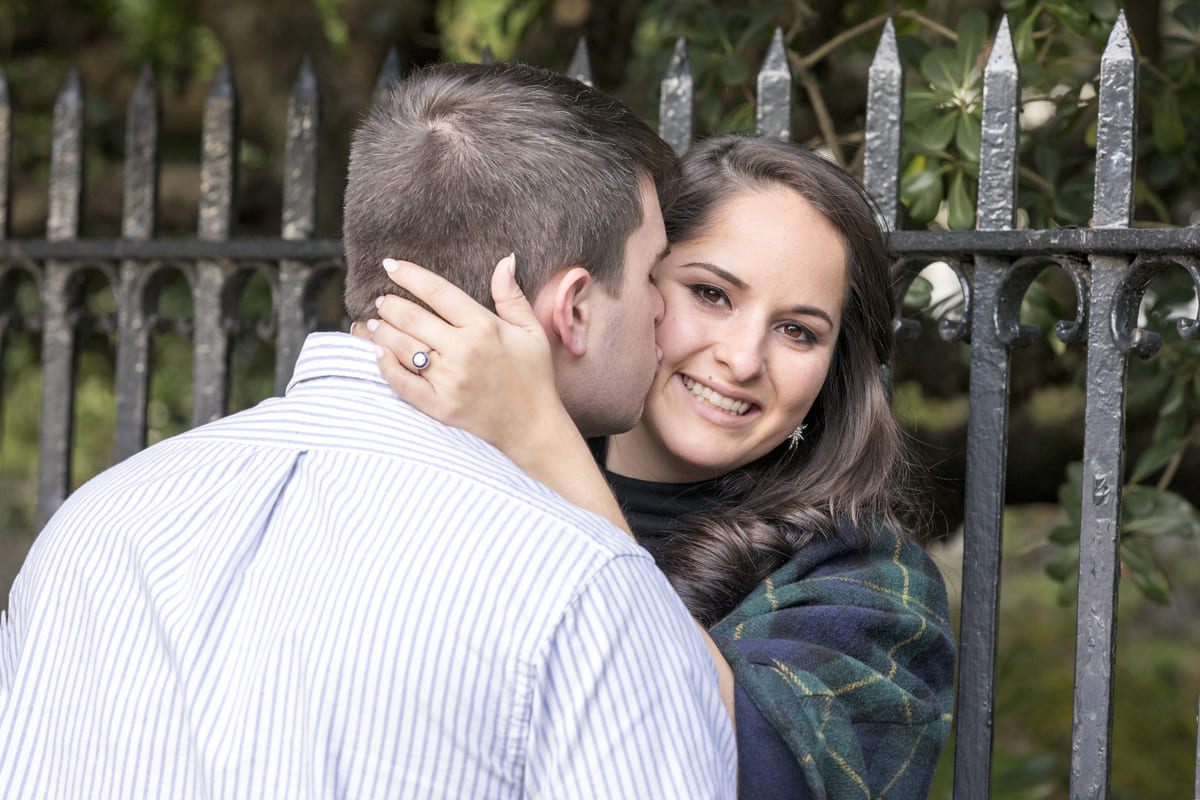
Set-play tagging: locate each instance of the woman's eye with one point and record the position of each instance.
(710, 294)
(796, 332)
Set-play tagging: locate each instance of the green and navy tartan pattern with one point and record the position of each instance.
(849, 654)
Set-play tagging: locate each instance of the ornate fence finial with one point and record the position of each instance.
(1116, 130)
(774, 107)
(580, 67)
(997, 199)
(885, 117)
(676, 99)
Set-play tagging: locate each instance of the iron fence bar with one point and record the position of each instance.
(885, 120)
(218, 183)
(987, 431)
(132, 387)
(1079, 241)
(1104, 430)
(241, 249)
(58, 334)
(299, 219)
(675, 103)
(773, 110)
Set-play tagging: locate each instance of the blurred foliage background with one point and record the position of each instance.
(944, 45)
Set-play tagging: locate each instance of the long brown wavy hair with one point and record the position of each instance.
(850, 473)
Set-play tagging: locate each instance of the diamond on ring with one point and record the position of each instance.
(420, 359)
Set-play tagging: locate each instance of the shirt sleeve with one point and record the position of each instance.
(626, 703)
(845, 657)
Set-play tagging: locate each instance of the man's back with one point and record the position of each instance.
(330, 595)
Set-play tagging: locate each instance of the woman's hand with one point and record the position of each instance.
(487, 374)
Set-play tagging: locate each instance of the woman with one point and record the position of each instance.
(767, 475)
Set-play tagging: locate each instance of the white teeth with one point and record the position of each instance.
(716, 399)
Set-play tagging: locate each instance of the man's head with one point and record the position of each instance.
(464, 163)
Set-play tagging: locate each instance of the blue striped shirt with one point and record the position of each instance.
(331, 595)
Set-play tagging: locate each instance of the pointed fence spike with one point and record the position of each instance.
(300, 156)
(996, 203)
(774, 112)
(66, 161)
(580, 67)
(389, 75)
(1116, 130)
(141, 159)
(218, 161)
(885, 120)
(675, 102)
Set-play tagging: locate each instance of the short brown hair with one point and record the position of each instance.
(461, 164)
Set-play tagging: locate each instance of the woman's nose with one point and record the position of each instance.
(741, 353)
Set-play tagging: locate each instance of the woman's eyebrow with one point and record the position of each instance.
(724, 275)
(729, 277)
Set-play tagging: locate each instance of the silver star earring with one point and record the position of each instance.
(796, 436)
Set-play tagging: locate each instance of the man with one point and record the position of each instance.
(331, 595)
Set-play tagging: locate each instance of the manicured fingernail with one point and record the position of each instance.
(510, 263)
(372, 324)
(378, 352)
(390, 264)
(379, 301)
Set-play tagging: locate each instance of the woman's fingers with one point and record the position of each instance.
(406, 382)
(447, 300)
(404, 348)
(419, 323)
(511, 304)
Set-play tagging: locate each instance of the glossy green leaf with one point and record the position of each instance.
(933, 137)
(968, 132)
(941, 68)
(1023, 44)
(972, 34)
(922, 194)
(919, 294)
(960, 205)
(1169, 135)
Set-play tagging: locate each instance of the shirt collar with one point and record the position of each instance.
(342, 355)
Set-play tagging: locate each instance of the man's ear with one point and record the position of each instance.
(562, 308)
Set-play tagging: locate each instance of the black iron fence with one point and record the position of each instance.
(1110, 263)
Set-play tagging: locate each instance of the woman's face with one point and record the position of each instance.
(753, 310)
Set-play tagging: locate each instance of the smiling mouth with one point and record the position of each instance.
(716, 399)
